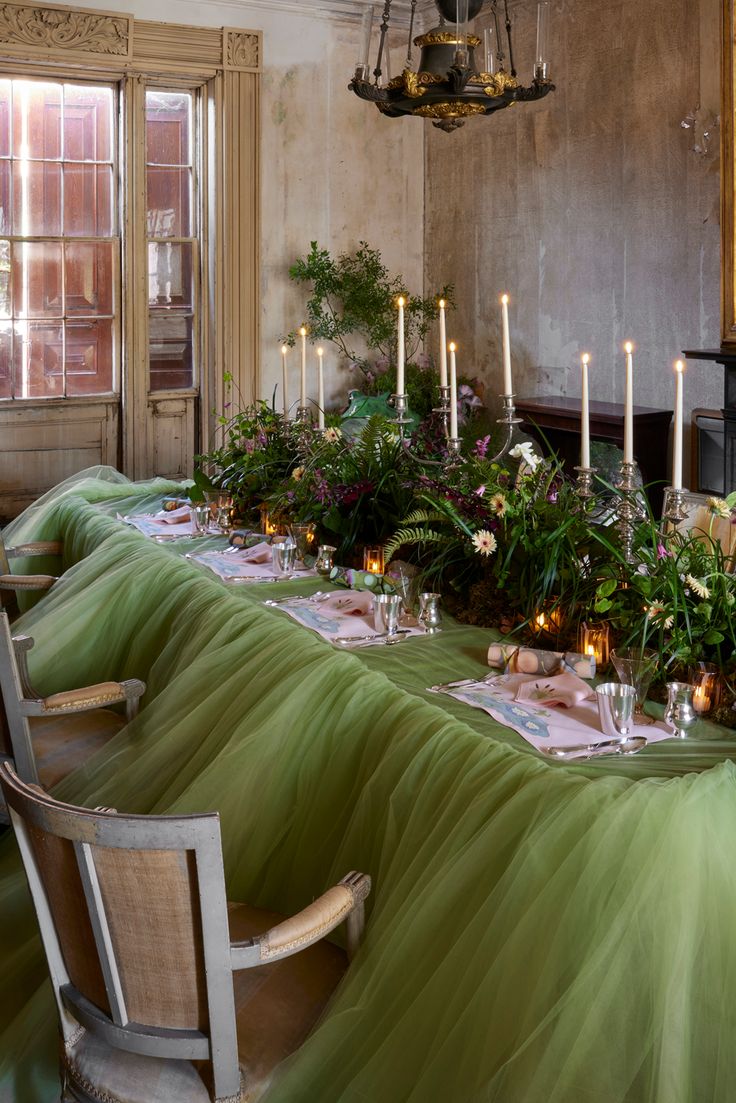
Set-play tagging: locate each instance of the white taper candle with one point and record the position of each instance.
(453, 390)
(629, 406)
(677, 433)
(303, 334)
(585, 415)
(400, 349)
(284, 351)
(320, 389)
(443, 345)
(507, 384)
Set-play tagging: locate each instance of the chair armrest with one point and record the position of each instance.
(36, 547)
(88, 697)
(343, 901)
(27, 581)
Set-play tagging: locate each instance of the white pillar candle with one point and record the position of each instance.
(400, 350)
(303, 335)
(453, 390)
(284, 350)
(443, 345)
(320, 389)
(629, 406)
(677, 435)
(507, 386)
(585, 415)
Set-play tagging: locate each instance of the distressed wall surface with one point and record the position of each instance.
(590, 207)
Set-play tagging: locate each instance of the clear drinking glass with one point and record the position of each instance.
(200, 515)
(635, 667)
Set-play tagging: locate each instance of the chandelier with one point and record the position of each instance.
(449, 85)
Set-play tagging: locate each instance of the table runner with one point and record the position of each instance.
(538, 933)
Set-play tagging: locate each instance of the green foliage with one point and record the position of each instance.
(354, 295)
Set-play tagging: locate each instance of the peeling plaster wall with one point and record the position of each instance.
(333, 170)
(589, 207)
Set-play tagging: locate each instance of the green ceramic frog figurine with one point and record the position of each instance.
(363, 406)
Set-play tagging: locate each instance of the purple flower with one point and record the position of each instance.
(552, 495)
(481, 447)
(249, 446)
(480, 491)
(662, 552)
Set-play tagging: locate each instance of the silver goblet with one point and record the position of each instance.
(430, 616)
(679, 713)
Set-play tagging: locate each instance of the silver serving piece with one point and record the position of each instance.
(585, 484)
(679, 713)
(630, 745)
(386, 612)
(430, 616)
(674, 507)
(616, 709)
(324, 562)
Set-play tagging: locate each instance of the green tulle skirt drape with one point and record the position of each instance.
(537, 933)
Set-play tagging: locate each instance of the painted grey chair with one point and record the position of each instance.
(18, 583)
(165, 992)
(45, 736)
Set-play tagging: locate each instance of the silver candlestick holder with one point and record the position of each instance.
(401, 406)
(628, 509)
(585, 484)
(674, 510)
(508, 419)
(444, 409)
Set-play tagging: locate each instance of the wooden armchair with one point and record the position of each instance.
(16, 583)
(166, 993)
(45, 736)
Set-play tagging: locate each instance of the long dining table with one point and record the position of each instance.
(538, 931)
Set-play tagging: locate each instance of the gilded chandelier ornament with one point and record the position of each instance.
(447, 80)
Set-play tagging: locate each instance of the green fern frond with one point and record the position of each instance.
(413, 536)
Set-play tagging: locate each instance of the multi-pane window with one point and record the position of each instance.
(172, 227)
(59, 249)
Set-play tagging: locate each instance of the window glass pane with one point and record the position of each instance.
(168, 128)
(169, 202)
(5, 193)
(4, 118)
(170, 351)
(89, 357)
(170, 276)
(39, 353)
(6, 359)
(88, 278)
(88, 201)
(36, 198)
(6, 305)
(88, 124)
(37, 279)
(36, 120)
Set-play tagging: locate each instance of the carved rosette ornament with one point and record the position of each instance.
(243, 50)
(61, 29)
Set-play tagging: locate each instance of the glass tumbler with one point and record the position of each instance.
(635, 666)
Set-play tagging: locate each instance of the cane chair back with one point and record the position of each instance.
(133, 918)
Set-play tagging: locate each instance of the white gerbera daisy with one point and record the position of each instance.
(697, 587)
(499, 504)
(720, 507)
(485, 542)
(332, 435)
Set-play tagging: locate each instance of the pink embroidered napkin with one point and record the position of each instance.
(173, 516)
(259, 553)
(352, 603)
(560, 691)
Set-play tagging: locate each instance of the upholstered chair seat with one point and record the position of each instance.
(276, 1007)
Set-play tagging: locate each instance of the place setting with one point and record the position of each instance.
(360, 618)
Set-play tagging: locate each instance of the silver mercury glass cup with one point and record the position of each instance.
(616, 709)
(324, 562)
(386, 613)
(679, 712)
(430, 616)
(283, 556)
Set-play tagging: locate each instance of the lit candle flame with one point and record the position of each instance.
(453, 346)
(401, 300)
(442, 304)
(303, 331)
(320, 352)
(679, 366)
(585, 358)
(540, 620)
(629, 348)
(504, 299)
(284, 350)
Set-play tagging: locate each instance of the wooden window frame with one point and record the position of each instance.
(226, 63)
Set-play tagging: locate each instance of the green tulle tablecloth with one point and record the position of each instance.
(537, 932)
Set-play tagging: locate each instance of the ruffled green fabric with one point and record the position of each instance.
(537, 932)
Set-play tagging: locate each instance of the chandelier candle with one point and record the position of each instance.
(284, 350)
(400, 350)
(585, 415)
(303, 335)
(507, 387)
(453, 392)
(443, 345)
(629, 406)
(320, 389)
(677, 433)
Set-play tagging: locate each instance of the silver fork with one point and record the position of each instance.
(317, 597)
(487, 680)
